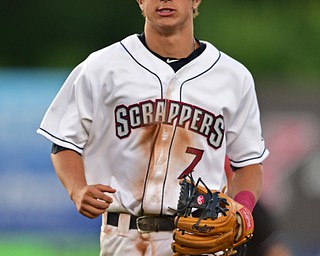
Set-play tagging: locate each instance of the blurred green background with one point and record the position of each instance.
(277, 40)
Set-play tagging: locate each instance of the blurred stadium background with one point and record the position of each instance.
(41, 41)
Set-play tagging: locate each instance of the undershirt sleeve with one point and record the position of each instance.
(56, 149)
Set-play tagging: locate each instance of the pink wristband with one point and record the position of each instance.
(247, 199)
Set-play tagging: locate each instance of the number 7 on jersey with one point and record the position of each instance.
(198, 155)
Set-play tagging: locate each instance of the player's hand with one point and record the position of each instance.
(91, 200)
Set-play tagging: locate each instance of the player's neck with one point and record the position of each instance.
(178, 45)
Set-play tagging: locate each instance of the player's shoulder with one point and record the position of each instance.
(228, 61)
(112, 52)
(238, 65)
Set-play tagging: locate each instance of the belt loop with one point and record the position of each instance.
(123, 224)
(104, 219)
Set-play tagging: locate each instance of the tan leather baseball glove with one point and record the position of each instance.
(209, 221)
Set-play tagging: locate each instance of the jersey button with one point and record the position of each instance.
(159, 168)
(165, 135)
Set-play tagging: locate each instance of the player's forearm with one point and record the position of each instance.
(70, 170)
(249, 179)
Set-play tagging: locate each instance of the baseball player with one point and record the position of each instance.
(132, 117)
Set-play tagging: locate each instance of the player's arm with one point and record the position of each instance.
(247, 184)
(90, 200)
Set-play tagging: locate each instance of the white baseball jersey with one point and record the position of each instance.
(139, 125)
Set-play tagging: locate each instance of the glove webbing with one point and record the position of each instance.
(213, 203)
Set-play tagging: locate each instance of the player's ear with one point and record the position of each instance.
(195, 4)
(140, 4)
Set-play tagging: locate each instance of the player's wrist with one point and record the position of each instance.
(247, 199)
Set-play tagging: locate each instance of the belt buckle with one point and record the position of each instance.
(147, 224)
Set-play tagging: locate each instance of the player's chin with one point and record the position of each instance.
(161, 21)
(167, 28)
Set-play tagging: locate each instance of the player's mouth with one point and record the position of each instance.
(165, 12)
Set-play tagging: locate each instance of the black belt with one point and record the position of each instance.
(145, 224)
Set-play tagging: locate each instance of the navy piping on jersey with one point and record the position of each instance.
(164, 182)
(161, 86)
(60, 139)
(181, 87)
(167, 167)
(178, 63)
(147, 174)
(249, 159)
(144, 68)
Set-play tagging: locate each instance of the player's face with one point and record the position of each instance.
(168, 15)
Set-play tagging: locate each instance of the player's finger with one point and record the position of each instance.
(101, 195)
(91, 212)
(101, 204)
(105, 188)
(92, 206)
(105, 198)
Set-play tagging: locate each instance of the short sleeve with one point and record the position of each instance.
(67, 121)
(245, 144)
